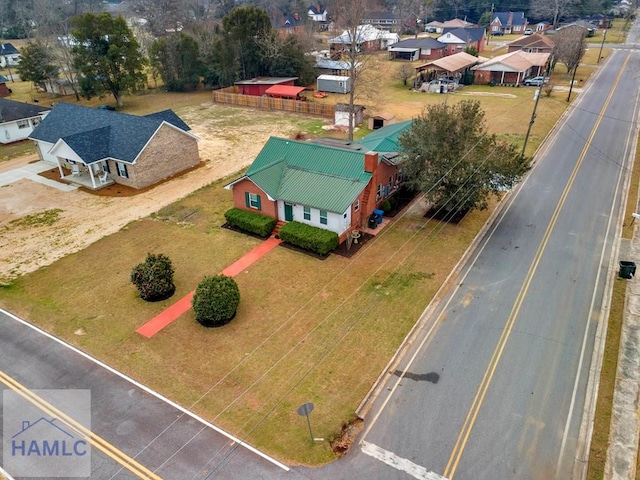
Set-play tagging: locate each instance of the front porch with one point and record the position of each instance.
(85, 179)
(93, 176)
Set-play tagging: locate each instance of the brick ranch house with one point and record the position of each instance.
(325, 186)
(95, 148)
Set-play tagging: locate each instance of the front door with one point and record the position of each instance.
(288, 212)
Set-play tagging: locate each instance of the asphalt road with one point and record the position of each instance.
(494, 385)
(155, 434)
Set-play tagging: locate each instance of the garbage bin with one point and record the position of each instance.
(373, 222)
(378, 214)
(443, 88)
(627, 269)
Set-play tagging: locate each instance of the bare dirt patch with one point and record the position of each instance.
(230, 138)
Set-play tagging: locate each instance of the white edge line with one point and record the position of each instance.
(148, 390)
(4, 473)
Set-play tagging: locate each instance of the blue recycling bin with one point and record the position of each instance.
(378, 214)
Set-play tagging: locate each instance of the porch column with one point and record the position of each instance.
(60, 167)
(93, 179)
(502, 78)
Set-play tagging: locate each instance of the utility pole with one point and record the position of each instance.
(490, 21)
(573, 79)
(533, 117)
(604, 35)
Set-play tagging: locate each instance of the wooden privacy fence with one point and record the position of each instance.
(226, 95)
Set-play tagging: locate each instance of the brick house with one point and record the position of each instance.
(535, 43)
(508, 22)
(332, 187)
(511, 68)
(459, 39)
(94, 147)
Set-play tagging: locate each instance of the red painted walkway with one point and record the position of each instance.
(183, 305)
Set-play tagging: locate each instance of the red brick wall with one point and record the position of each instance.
(267, 207)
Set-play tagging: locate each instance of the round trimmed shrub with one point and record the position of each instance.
(216, 300)
(154, 278)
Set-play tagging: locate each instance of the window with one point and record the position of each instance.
(252, 200)
(356, 206)
(323, 217)
(36, 121)
(105, 167)
(23, 123)
(307, 213)
(122, 170)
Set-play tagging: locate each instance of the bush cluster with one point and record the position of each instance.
(311, 238)
(154, 278)
(216, 300)
(251, 222)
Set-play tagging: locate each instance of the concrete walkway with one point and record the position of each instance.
(30, 172)
(183, 305)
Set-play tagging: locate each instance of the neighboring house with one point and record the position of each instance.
(368, 39)
(94, 147)
(457, 23)
(334, 67)
(4, 90)
(599, 20)
(259, 85)
(328, 187)
(383, 20)
(18, 119)
(59, 86)
(317, 13)
(425, 48)
(511, 68)
(588, 28)
(459, 39)
(532, 43)
(434, 27)
(9, 55)
(541, 27)
(288, 24)
(508, 22)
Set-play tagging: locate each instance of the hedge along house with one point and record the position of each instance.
(329, 187)
(95, 148)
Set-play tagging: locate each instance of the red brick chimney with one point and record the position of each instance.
(371, 162)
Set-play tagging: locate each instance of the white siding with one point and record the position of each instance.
(44, 148)
(335, 222)
(10, 132)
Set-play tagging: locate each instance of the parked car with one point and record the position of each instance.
(431, 29)
(535, 81)
(497, 33)
(528, 31)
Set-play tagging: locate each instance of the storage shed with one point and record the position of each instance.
(334, 84)
(341, 114)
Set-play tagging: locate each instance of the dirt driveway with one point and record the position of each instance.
(31, 238)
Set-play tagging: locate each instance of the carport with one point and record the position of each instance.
(284, 91)
(451, 66)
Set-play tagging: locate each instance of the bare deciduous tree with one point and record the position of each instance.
(569, 46)
(347, 16)
(553, 9)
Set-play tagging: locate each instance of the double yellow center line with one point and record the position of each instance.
(105, 447)
(470, 420)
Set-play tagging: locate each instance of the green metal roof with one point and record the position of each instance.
(304, 173)
(385, 139)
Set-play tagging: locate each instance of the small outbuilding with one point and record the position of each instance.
(378, 121)
(334, 84)
(341, 114)
(259, 85)
(285, 91)
(4, 90)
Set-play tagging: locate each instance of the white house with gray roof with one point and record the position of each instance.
(95, 147)
(18, 119)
